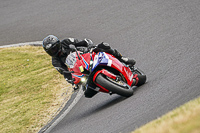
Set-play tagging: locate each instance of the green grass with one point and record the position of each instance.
(185, 119)
(31, 90)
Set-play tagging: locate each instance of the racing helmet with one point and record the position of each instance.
(51, 45)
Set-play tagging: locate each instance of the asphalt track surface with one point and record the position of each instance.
(162, 36)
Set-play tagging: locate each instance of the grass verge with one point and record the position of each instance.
(31, 90)
(185, 119)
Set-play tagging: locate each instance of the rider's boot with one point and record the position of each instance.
(127, 61)
(106, 47)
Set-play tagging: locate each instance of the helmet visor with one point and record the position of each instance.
(54, 50)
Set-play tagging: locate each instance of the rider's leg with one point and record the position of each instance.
(105, 47)
(126, 60)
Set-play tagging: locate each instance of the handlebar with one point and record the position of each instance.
(72, 47)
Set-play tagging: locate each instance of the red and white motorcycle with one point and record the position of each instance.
(102, 72)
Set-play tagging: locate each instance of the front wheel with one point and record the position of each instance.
(114, 87)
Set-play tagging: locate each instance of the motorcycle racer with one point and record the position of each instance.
(59, 50)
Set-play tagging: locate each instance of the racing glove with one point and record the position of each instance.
(75, 87)
(84, 43)
(104, 46)
(68, 78)
(89, 42)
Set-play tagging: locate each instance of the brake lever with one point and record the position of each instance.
(92, 48)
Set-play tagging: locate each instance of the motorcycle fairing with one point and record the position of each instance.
(72, 60)
(101, 59)
(106, 59)
(86, 59)
(78, 76)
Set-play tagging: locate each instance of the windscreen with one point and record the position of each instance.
(71, 60)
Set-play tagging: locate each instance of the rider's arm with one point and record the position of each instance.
(84, 43)
(61, 68)
(68, 41)
(76, 42)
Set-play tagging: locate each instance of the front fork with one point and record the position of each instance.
(106, 73)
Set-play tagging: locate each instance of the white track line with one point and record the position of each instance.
(36, 43)
(75, 101)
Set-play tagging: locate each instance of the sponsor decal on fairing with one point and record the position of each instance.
(103, 59)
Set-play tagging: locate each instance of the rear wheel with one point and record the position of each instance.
(142, 77)
(119, 87)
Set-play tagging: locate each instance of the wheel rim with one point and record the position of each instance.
(119, 83)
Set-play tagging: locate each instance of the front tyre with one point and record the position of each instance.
(113, 87)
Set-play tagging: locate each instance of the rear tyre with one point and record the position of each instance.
(142, 80)
(113, 86)
(142, 77)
